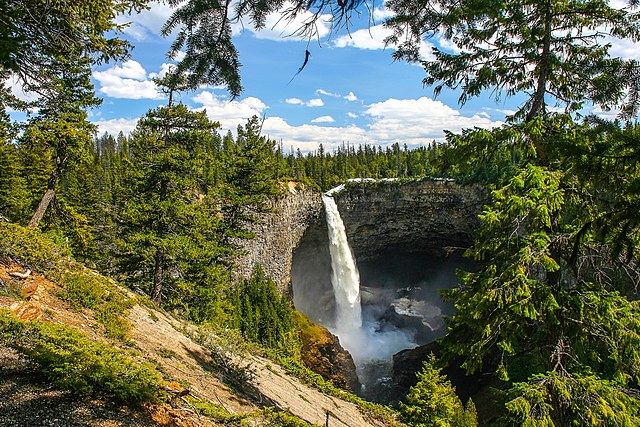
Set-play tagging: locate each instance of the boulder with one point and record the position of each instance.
(323, 354)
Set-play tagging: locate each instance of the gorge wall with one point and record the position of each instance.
(429, 217)
(278, 233)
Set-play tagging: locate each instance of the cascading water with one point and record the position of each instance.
(370, 348)
(345, 280)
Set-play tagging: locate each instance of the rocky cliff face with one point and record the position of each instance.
(278, 234)
(428, 216)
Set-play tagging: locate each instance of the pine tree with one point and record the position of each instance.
(553, 51)
(172, 224)
(34, 35)
(61, 124)
(261, 313)
(433, 402)
(13, 187)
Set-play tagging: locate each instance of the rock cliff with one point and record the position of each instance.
(427, 216)
(278, 233)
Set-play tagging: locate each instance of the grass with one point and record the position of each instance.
(71, 361)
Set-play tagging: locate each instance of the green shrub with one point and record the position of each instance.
(110, 315)
(29, 247)
(275, 418)
(73, 362)
(83, 290)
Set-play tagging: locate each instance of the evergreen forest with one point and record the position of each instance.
(552, 317)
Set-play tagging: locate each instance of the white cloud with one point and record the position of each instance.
(604, 114)
(164, 69)
(230, 114)
(352, 115)
(351, 97)
(317, 102)
(17, 89)
(308, 137)
(130, 70)
(373, 39)
(146, 22)
(410, 121)
(623, 48)
(114, 126)
(407, 121)
(417, 121)
(129, 82)
(382, 13)
(327, 93)
(323, 119)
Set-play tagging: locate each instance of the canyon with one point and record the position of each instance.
(407, 238)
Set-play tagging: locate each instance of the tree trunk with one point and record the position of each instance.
(156, 292)
(42, 207)
(49, 194)
(544, 68)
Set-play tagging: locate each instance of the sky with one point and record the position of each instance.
(350, 92)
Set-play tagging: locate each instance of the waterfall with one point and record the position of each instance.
(345, 280)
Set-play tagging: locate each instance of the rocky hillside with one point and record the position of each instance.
(62, 325)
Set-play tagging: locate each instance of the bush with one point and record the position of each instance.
(73, 362)
(83, 290)
(29, 247)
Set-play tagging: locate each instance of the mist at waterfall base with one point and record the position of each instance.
(388, 303)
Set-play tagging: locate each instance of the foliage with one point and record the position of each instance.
(262, 315)
(83, 290)
(34, 34)
(204, 33)
(172, 229)
(433, 401)
(553, 312)
(250, 176)
(268, 416)
(327, 170)
(550, 51)
(13, 185)
(61, 125)
(73, 362)
(553, 399)
(31, 248)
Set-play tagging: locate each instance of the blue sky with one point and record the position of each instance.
(350, 92)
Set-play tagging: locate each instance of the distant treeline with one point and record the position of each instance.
(320, 167)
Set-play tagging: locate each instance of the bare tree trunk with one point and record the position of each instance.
(544, 68)
(42, 207)
(156, 292)
(49, 194)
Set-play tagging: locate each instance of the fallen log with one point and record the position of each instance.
(20, 275)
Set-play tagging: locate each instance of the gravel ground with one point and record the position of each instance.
(28, 400)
